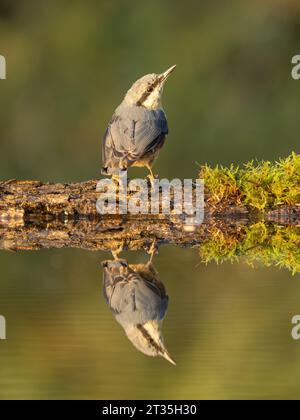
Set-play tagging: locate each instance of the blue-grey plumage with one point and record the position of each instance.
(134, 134)
(138, 128)
(139, 301)
(133, 296)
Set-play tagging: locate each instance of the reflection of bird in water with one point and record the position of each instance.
(138, 127)
(138, 299)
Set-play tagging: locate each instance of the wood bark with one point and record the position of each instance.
(36, 215)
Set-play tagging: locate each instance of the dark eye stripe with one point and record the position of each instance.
(148, 91)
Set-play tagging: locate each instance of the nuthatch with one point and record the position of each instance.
(138, 128)
(138, 299)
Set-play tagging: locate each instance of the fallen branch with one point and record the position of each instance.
(24, 199)
(108, 233)
(37, 215)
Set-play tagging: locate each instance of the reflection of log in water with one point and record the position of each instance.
(217, 239)
(105, 234)
(35, 215)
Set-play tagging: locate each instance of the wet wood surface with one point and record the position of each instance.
(35, 215)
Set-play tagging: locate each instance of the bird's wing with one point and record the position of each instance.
(118, 287)
(150, 302)
(148, 132)
(110, 282)
(131, 298)
(132, 133)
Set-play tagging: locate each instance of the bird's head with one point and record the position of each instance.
(148, 339)
(147, 91)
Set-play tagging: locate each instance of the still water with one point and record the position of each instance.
(228, 327)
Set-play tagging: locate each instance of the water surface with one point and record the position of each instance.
(228, 327)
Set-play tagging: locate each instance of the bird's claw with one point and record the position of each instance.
(152, 250)
(116, 179)
(117, 251)
(151, 179)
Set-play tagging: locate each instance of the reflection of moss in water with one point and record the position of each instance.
(270, 245)
(261, 185)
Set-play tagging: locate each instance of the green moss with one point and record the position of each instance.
(260, 185)
(267, 244)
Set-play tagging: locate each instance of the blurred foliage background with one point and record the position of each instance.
(230, 100)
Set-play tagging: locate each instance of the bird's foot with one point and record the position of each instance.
(152, 250)
(151, 178)
(116, 252)
(116, 179)
(120, 178)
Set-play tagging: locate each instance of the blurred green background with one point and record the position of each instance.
(231, 99)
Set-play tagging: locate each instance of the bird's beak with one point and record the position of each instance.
(166, 74)
(166, 355)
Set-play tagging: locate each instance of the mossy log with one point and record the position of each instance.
(36, 215)
(24, 199)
